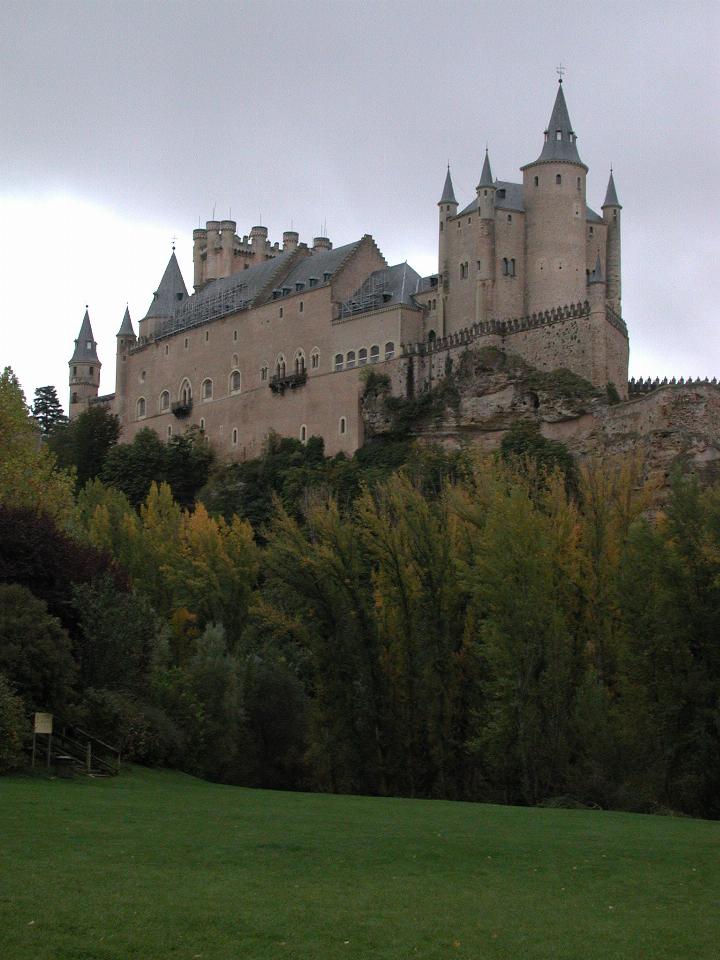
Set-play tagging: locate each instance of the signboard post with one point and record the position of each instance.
(43, 725)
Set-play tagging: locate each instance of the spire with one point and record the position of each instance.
(126, 327)
(448, 194)
(611, 197)
(560, 140)
(597, 275)
(486, 177)
(85, 345)
(171, 292)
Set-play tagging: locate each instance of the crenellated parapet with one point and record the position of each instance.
(640, 387)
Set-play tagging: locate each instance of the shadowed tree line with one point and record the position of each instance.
(412, 622)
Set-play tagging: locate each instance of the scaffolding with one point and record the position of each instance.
(373, 293)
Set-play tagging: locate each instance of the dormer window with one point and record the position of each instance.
(312, 281)
(558, 134)
(501, 193)
(299, 286)
(326, 276)
(88, 344)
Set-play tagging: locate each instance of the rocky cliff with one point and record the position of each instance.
(486, 390)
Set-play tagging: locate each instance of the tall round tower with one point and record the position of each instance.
(125, 340)
(447, 208)
(485, 276)
(84, 369)
(554, 198)
(611, 214)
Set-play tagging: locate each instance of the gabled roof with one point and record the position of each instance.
(563, 149)
(448, 194)
(486, 179)
(592, 217)
(597, 275)
(170, 294)
(85, 345)
(391, 286)
(317, 266)
(126, 327)
(611, 197)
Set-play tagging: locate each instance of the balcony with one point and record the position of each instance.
(181, 408)
(289, 381)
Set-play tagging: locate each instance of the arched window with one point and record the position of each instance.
(207, 389)
(339, 360)
(374, 353)
(350, 360)
(558, 179)
(235, 361)
(505, 266)
(164, 401)
(303, 433)
(362, 357)
(264, 372)
(315, 359)
(389, 350)
(140, 408)
(235, 381)
(342, 426)
(512, 267)
(299, 361)
(431, 336)
(185, 393)
(280, 366)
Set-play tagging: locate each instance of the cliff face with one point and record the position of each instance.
(487, 390)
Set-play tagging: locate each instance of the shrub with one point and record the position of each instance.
(13, 727)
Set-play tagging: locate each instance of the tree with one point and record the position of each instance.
(13, 727)
(35, 651)
(28, 472)
(85, 442)
(48, 411)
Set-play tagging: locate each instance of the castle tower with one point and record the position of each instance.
(611, 214)
(259, 243)
(200, 237)
(447, 208)
(167, 298)
(84, 369)
(555, 212)
(125, 340)
(485, 282)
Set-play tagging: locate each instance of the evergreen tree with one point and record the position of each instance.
(48, 411)
(84, 443)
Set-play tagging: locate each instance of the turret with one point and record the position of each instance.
(213, 250)
(485, 277)
(227, 242)
(168, 297)
(447, 208)
(486, 191)
(290, 241)
(611, 214)
(555, 212)
(125, 340)
(321, 243)
(258, 242)
(199, 257)
(84, 369)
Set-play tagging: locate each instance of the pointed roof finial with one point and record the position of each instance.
(126, 327)
(448, 194)
(560, 70)
(597, 275)
(560, 140)
(486, 177)
(85, 344)
(611, 197)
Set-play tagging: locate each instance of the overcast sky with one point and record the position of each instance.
(125, 123)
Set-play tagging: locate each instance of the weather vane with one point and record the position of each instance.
(560, 71)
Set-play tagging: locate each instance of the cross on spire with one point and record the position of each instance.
(174, 238)
(560, 70)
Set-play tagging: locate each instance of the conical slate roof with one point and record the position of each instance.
(448, 194)
(597, 275)
(486, 177)
(611, 197)
(126, 327)
(171, 292)
(560, 141)
(85, 345)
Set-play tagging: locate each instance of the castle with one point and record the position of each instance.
(275, 337)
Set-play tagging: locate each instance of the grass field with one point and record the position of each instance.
(157, 864)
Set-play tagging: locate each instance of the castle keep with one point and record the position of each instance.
(275, 336)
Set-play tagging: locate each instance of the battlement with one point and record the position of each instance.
(638, 388)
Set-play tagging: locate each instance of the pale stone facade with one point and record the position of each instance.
(274, 337)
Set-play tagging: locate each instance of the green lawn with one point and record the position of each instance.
(157, 864)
